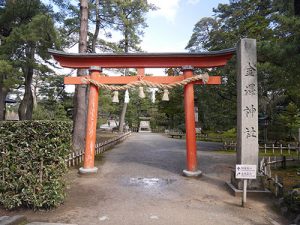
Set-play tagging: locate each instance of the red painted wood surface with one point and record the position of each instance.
(89, 153)
(191, 151)
(127, 79)
(143, 60)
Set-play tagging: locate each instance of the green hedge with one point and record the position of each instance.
(292, 201)
(32, 165)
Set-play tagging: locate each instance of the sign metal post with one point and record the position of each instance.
(245, 172)
(244, 200)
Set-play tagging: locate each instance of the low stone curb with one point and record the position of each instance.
(13, 220)
(41, 223)
(21, 220)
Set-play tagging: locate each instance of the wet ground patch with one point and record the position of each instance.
(148, 182)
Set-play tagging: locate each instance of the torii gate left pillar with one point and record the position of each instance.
(91, 127)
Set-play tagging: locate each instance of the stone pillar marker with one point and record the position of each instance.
(247, 103)
(247, 116)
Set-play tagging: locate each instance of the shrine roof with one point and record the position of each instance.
(143, 60)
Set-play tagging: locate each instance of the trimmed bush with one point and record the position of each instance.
(32, 163)
(292, 201)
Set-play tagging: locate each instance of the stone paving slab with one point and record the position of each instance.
(12, 220)
(2, 218)
(41, 223)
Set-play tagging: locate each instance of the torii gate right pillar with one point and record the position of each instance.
(191, 148)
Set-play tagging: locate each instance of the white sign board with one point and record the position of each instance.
(245, 171)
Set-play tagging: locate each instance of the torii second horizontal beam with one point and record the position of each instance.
(121, 80)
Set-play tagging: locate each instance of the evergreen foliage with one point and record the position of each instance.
(32, 163)
(26, 32)
(275, 27)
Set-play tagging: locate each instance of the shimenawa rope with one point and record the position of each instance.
(204, 77)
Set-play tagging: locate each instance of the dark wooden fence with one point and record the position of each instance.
(272, 182)
(75, 158)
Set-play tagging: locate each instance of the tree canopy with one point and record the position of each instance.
(275, 26)
(26, 31)
(29, 27)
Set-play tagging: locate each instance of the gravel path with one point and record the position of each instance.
(140, 182)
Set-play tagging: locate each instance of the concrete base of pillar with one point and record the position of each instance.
(88, 170)
(196, 173)
(255, 187)
(250, 193)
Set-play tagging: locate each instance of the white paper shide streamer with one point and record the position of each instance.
(126, 98)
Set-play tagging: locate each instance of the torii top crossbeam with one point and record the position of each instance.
(143, 60)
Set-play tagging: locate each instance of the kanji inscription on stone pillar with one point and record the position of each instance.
(247, 105)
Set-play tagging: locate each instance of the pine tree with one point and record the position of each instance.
(273, 24)
(130, 21)
(27, 31)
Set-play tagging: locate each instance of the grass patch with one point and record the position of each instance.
(99, 157)
(229, 135)
(105, 135)
(210, 139)
(288, 176)
(229, 152)
(278, 154)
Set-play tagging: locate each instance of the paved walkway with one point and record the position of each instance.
(140, 182)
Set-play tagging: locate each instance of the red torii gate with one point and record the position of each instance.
(187, 61)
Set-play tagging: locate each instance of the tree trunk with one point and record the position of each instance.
(79, 117)
(3, 94)
(97, 28)
(83, 26)
(34, 97)
(80, 97)
(122, 117)
(26, 106)
(124, 109)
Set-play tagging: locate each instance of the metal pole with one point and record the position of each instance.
(89, 153)
(265, 134)
(244, 200)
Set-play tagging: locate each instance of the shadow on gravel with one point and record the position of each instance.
(212, 180)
